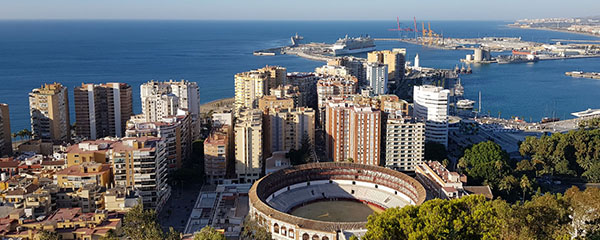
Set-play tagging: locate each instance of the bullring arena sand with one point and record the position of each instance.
(336, 211)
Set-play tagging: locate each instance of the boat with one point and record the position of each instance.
(351, 45)
(465, 104)
(549, 120)
(296, 39)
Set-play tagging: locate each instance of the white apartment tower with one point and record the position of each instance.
(431, 106)
(377, 76)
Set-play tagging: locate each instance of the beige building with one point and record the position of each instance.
(353, 65)
(141, 163)
(353, 133)
(404, 142)
(175, 130)
(330, 87)
(252, 85)
(442, 183)
(88, 173)
(120, 199)
(5, 133)
(394, 59)
(289, 91)
(249, 145)
(307, 85)
(88, 197)
(285, 129)
(102, 110)
(218, 153)
(49, 109)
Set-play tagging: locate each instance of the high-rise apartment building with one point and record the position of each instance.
(404, 142)
(395, 59)
(307, 85)
(175, 131)
(218, 153)
(49, 109)
(163, 99)
(333, 86)
(353, 133)
(377, 76)
(353, 65)
(249, 145)
(102, 110)
(141, 163)
(252, 85)
(286, 128)
(431, 106)
(5, 134)
(288, 91)
(271, 102)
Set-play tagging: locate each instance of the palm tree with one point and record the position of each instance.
(525, 185)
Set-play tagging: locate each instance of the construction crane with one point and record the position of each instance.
(400, 29)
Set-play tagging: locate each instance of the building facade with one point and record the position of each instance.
(286, 128)
(218, 153)
(252, 85)
(5, 133)
(353, 133)
(307, 85)
(102, 110)
(249, 145)
(431, 106)
(377, 76)
(330, 87)
(404, 143)
(49, 109)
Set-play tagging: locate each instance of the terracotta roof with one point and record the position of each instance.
(9, 164)
(483, 190)
(53, 163)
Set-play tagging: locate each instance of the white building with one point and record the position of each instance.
(404, 143)
(249, 145)
(377, 76)
(431, 106)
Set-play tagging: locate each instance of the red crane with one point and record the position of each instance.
(400, 29)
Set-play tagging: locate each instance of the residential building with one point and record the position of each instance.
(141, 163)
(404, 142)
(286, 129)
(353, 133)
(444, 184)
(431, 106)
(276, 162)
(377, 76)
(89, 198)
(90, 151)
(307, 85)
(175, 131)
(224, 117)
(218, 153)
(354, 66)
(330, 87)
(249, 145)
(395, 59)
(87, 173)
(69, 223)
(163, 99)
(5, 133)
(102, 110)
(120, 199)
(49, 109)
(252, 85)
(288, 91)
(272, 102)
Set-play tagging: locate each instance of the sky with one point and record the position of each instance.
(297, 9)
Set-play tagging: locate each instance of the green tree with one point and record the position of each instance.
(253, 231)
(435, 151)
(300, 156)
(209, 233)
(471, 217)
(508, 184)
(141, 224)
(172, 234)
(47, 235)
(486, 163)
(110, 235)
(585, 212)
(525, 185)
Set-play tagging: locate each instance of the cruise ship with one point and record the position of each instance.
(351, 45)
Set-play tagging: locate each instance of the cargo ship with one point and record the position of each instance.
(516, 59)
(351, 45)
(465, 104)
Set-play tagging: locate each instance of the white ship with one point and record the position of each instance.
(465, 104)
(348, 45)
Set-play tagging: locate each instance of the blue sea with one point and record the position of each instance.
(211, 52)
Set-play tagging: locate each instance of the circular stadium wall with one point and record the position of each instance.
(274, 196)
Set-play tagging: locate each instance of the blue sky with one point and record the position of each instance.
(296, 9)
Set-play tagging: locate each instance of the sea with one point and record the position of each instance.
(72, 52)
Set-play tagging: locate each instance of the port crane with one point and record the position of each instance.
(429, 36)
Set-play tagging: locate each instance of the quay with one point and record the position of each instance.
(580, 74)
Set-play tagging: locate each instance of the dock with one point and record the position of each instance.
(580, 74)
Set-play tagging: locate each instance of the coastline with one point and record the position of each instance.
(555, 30)
(217, 104)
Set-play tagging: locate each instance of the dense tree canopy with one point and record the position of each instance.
(142, 224)
(576, 215)
(576, 153)
(209, 233)
(486, 163)
(47, 235)
(253, 231)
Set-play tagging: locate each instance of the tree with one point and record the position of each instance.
(47, 235)
(253, 231)
(172, 234)
(525, 185)
(508, 184)
(300, 156)
(209, 233)
(435, 151)
(585, 212)
(110, 235)
(471, 217)
(141, 224)
(487, 163)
